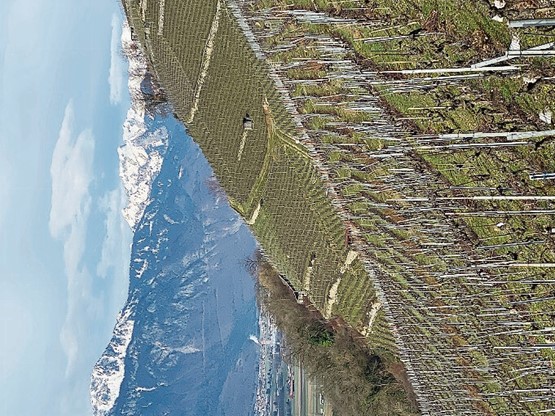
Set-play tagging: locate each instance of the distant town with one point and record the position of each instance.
(284, 389)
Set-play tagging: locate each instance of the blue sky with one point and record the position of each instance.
(64, 249)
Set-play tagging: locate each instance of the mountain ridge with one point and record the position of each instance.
(182, 341)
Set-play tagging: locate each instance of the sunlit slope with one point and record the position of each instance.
(214, 80)
(459, 227)
(456, 229)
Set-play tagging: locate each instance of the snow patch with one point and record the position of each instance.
(109, 370)
(142, 153)
(143, 389)
(233, 227)
(170, 220)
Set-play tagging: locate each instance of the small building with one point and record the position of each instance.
(248, 124)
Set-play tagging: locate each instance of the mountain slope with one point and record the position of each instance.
(181, 344)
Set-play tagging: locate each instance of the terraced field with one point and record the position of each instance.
(268, 175)
(394, 173)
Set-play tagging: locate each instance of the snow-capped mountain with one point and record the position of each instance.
(181, 345)
(145, 137)
(109, 371)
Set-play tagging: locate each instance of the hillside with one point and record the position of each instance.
(395, 161)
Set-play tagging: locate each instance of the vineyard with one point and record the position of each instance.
(395, 161)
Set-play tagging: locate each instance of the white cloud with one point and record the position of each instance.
(70, 346)
(116, 77)
(116, 248)
(71, 171)
(72, 175)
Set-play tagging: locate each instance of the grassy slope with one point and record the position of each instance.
(445, 34)
(296, 220)
(448, 34)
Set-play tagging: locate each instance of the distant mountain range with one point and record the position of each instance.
(181, 343)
